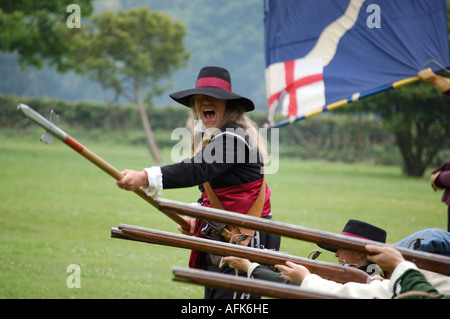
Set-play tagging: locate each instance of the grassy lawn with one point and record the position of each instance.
(57, 209)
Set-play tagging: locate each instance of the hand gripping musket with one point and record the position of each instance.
(256, 287)
(428, 261)
(55, 131)
(326, 270)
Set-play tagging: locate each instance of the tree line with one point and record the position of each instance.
(337, 137)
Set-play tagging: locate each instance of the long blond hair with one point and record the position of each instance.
(234, 115)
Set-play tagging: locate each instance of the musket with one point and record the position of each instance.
(55, 131)
(326, 270)
(424, 260)
(255, 287)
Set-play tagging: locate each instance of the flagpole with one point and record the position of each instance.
(355, 97)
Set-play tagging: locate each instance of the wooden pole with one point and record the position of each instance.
(91, 156)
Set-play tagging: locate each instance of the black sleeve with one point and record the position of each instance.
(262, 272)
(443, 180)
(216, 158)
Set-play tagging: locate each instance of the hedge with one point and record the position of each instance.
(328, 136)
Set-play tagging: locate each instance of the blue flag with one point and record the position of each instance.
(321, 54)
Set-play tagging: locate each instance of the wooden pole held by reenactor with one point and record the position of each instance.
(55, 131)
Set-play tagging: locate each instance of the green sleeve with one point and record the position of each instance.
(413, 284)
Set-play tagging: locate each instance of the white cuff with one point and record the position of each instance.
(398, 272)
(251, 268)
(155, 185)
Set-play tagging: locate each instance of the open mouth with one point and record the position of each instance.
(209, 115)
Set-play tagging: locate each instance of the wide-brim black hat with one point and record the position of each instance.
(359, 229)
(216, 82)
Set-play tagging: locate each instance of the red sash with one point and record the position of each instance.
(240, 199)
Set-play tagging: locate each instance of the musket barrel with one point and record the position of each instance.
(252, 286)
(326, 270)
(424, 260)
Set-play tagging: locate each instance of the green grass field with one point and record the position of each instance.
(57, 209)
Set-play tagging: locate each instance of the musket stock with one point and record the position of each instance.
(326, 270)
(256, 287)
(89, 155)
(428, 261)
